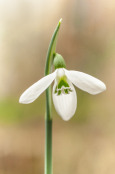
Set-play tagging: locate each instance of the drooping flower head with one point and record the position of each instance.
(63, 94)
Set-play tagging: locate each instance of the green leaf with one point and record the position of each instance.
(51, 50)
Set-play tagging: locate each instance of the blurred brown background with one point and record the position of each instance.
(85, 144)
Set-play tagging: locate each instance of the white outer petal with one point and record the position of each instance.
(85, 82)
(34, 91)
(65, 104)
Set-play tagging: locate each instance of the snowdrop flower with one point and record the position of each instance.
(64, 94)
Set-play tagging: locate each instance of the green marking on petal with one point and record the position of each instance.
(62, 83)
(66, 91)
(55, 90)
(59, 92)
(62, 87)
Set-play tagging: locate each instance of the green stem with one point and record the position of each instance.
(48, 152)
(48, 117)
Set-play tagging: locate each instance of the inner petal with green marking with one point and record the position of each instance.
(62, 86)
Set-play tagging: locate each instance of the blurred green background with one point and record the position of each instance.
(86, 143)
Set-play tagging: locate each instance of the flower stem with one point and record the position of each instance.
(48, 117)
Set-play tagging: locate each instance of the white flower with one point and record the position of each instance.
(64, 94)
